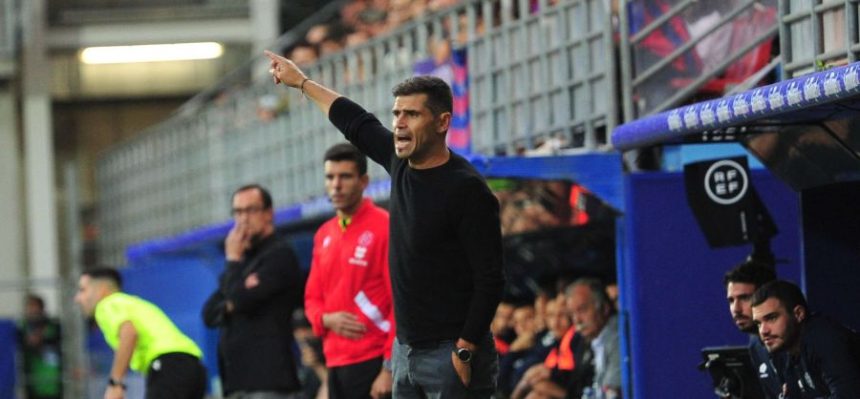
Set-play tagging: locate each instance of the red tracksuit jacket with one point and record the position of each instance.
(349, 272)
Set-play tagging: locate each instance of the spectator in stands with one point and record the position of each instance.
(41, 353)
(253, 304)
(401, 11)
(741, 282)
(823, 355)
(304, 54)
(315, 35)
(372, 21)
(348, 292)
(143, 338)
(446, 246)
(593, 314)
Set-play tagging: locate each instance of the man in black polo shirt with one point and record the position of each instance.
(445, 246)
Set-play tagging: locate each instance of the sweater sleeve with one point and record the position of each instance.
(480, 232)
(363, 130)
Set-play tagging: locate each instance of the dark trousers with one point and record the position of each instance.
(176, 376)
(353, 381)
(427, 371)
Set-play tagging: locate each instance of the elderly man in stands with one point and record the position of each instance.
(594, 316)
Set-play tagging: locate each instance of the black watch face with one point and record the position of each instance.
(464, 354)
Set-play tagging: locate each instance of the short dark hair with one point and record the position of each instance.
(788, 294)
(37, 300)
(105, 274)
(439, 97)
(347, 152)
(267, 198)
(750, 272)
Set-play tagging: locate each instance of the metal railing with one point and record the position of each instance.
(663, 45)
(536, 72)
(817, 33)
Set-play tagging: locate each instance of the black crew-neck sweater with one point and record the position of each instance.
(445, 240)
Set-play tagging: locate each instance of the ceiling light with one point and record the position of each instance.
(151, 53)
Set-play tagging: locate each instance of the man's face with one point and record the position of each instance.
(416, 130)
(778, 329)
(739, 295)
(523, 319)
(344, 186)
(248, 211)
(88, 295)
(557, 320)
(586, 315)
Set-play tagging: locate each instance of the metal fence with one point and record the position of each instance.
(537, 71)
(817, 33)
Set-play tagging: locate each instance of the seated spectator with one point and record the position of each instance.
(502, 327)
(823, 355)
(524, 328)
(515, 365)
(593, 314)
(566, 371)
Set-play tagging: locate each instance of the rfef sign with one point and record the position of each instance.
(726, 182)
(725, 204)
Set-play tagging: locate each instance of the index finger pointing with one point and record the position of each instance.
(272, 56)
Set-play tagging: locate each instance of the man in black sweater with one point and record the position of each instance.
(253, 305)
(445, 246)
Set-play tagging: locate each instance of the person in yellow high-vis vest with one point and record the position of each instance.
(143, 338)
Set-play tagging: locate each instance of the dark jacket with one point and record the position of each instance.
(769, 377)
(255, 350)
(828, 365)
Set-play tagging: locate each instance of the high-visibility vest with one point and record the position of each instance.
(561, 357)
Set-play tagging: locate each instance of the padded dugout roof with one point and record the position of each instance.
(806, 129)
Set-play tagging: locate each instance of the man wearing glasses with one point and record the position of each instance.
(258, 291)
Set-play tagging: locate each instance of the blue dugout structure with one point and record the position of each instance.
(805, 131)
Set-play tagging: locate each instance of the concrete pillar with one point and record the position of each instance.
(40, 195)
(11, 210)
(266, 27)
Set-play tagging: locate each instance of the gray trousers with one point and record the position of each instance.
(427, 371)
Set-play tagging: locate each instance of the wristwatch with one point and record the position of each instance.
(463, 354)
(114, 383)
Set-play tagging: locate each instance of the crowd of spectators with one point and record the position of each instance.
(547, 346)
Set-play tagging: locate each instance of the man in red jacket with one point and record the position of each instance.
(348, 294)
